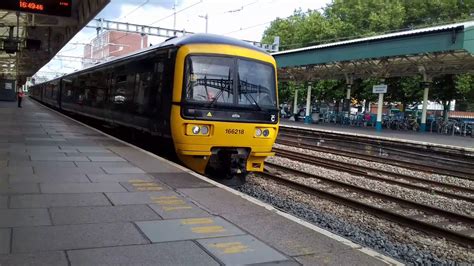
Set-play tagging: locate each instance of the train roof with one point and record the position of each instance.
(209, 39)
(198, 38)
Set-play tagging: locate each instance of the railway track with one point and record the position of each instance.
(451, 165)
(403, 180)
(419, 216)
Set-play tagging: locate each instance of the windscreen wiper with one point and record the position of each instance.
(248, 96)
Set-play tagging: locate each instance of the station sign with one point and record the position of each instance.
(60, 8)
(382, 88)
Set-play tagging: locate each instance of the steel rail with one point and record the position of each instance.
(400, 163)
(463, 239)
(377, 142)
(365, 171)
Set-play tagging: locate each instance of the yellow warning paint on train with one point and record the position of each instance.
(208, 229)
(231, 247)
(197, 221)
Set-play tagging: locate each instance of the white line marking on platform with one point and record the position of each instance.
(368, 251)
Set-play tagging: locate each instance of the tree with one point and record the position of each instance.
(349, 19)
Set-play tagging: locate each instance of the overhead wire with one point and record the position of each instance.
(135, 9)
(179, 11)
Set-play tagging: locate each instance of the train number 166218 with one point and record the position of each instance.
(234, 131)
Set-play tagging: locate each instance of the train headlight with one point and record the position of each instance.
(198, 130)
(262, 132)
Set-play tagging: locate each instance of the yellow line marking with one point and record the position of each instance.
(197, 221)
(208, 229)
(231, 247)
(137, 181)
(176, 208)
(149, 188)
(163, 197)
(150, 184)
(170, 202)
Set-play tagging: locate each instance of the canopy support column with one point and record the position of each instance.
(426, 88)
(347, 101)
(307, 118)
(378, 125)
(295, 106)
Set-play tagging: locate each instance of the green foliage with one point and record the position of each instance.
(348, 19)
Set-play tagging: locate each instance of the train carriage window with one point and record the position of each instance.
(209, 79)
(119, 91)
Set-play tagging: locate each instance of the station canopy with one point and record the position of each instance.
(446, 49)
(32, 32)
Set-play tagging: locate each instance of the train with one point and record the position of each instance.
(214, 98)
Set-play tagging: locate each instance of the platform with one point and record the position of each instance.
(70, 195)
(431, 139)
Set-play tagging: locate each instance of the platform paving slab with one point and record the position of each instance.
(60, 158)
(227, 203)
(68, 171)
(65, 237)
(57, 258)
(108, 214)
(24, 217)
(106, 159)
(11, 189)
(50, 164)
(105, 164)
(5, 239)
(23, 170)
(181, 180)
(171, 254)
(241, 250)
(175, 208)
(77, 178)
(146, 162)
(58, 200)
(287, 236)
(123, 170)
(3, 202)
(89, 154)
(81, 187)
(129, 198)
(97, 178)
(187, 229)
(135, 185)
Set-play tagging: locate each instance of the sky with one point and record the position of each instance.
(242, 19)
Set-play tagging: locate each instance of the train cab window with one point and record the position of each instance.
(256, 84)
(209, 79)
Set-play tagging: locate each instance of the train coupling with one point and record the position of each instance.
(229, 161)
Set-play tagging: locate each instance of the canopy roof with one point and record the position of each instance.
(446, 49)
(40, 36)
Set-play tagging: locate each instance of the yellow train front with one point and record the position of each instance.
(224, 117)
